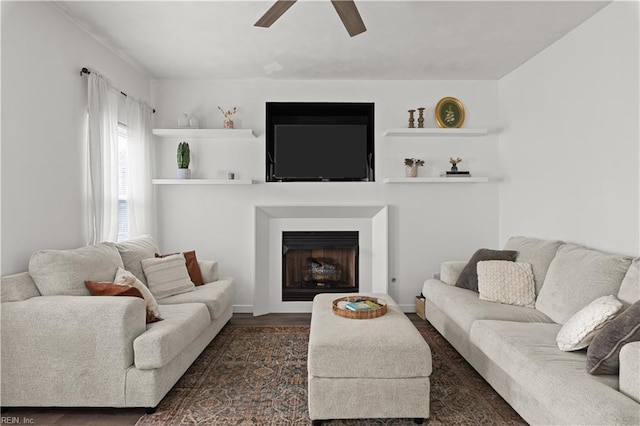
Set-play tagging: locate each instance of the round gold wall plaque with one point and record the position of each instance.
(449, 113)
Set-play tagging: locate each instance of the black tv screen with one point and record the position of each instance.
(319, 142)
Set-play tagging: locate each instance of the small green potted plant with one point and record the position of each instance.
(184, 158)
(411, 166)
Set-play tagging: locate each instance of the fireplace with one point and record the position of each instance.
(317, 262)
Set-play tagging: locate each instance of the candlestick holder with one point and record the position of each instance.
(421, 117)
(411, 119)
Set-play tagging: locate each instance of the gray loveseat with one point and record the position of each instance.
(64, 348)
(514, 348)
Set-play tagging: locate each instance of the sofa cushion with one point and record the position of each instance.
(18, 287)
(167, 276)
(630, 364)
(578, 332)
(464, 307)
(134, 251)
(539, 253)
(163, 340)
(469, 276)
(603, 355)
(576, 277)
(506, 282)
(63, 272)
(630, 288)
(528, 354)
(217, 296)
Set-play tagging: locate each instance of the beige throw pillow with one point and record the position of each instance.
(579, 331)
(511, 283)
(126, 277)
(167, 276)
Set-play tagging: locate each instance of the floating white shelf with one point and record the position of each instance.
(202, 181)
(435, 132)
(205, 133)
(456, 179)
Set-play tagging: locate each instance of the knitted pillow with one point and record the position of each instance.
(581, 328)
(469, 276)
(511, 283)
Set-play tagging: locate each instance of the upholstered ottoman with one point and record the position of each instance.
(366, 368)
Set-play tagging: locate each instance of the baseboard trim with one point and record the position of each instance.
(242, 309)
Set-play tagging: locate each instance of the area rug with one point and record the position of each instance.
(258, 376)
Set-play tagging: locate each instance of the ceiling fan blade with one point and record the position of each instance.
(274, 12)
(350, 16)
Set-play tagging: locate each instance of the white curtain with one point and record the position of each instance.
(139, 139)
(103, 159)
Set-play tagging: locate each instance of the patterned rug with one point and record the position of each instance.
(258, 376)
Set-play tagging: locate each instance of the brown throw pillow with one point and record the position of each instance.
(603, 354)
(101, 288)
(469, 276)
(192, 266)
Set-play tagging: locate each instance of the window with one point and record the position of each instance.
(123, 183)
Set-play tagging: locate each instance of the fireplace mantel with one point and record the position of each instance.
(270, 221)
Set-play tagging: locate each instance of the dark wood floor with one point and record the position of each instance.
(129, 416)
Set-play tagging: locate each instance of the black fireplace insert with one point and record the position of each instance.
(315, 262)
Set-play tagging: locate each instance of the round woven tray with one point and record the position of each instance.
(365, 314)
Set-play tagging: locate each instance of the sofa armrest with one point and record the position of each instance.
(209, 270)
(450, 271)
(61, 350)
(630, 370)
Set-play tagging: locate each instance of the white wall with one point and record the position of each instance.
(569, 151)
(429, 223)
(44, 103)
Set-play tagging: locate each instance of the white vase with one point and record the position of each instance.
(228, 123)
(184, 173)
(411, 171)
(183, 120)
(193, 122)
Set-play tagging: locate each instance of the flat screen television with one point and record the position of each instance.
(319, 141)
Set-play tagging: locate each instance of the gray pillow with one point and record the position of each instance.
(469, 276)
(603, 354)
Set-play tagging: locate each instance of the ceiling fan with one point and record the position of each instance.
(346, 9)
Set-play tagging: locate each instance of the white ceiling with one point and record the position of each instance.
(405, 40)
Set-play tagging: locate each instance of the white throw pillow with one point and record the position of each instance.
(581, 328)
(126, 277)
(511, 283)
(167, 276)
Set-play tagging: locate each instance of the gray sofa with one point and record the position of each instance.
(62, 347)
(514, 348)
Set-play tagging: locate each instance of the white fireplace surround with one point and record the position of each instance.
(371, 222)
